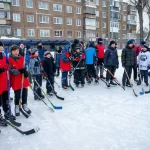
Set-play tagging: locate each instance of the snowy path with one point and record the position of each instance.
(93, 118)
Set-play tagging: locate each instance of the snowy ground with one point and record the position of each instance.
(92, 118)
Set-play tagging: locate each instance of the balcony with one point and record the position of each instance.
(114, 27)
(115, 9)
(89, 10)
(131, 22)
(131, 36)
(7, 1)
(115, 16)
(90, 24)
(5, 30)
(5, 15)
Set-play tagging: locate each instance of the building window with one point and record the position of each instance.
(97, 13)
(78, 10)
(78, 22)
(103, 35)
(29, 3)
(97, 2)
(124, 18)
(124, 36)
(31, 33)
(78, 0)
(103, 3)
(104, 14)
(58, 20)
(97, 24)
(44, 33)
(17, 32)
(16, 17)
(43, 5)
(58, 33)
(30, 18)
(44, 19)
(124, 27)
(69, 34)
(69, 21)
(69, 9)
(15, 2)
(124, 8)
(78, 34)
(57, 7)
(104, 24)
(2, 14)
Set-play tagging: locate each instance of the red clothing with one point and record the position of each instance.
(100, 50)
(65, 65)
(3, 77)
(135, 49)
(15, 80)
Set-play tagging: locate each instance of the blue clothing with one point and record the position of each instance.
(58, 56)
(90, 54)
(64, 78)
(41, 53)
(27, 59)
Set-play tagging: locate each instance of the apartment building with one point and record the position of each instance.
(54, 19)
(68, 19)
(5, 18)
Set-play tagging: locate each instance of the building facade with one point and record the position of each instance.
(68, 19)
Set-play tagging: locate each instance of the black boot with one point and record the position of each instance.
(7, 116)
(112, 83)
(2, 121)
(139, 83)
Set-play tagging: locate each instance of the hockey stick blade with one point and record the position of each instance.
(22, 132)
(134, 93)
(61, 98)
(17, 124)
(146, 92)
(26, 115)
(71, 87)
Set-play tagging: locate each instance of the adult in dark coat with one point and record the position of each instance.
(111, 62)
(128, 59)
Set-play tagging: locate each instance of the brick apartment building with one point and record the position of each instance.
(68, 19)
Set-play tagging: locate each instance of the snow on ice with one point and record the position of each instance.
(92, 118)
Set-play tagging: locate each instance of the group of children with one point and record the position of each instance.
(76, 59)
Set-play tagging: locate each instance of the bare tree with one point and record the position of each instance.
(140, 5)
(147, 10)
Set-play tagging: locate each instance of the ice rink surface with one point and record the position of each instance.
(92, 118)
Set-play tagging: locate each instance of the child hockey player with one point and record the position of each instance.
(90, 55)
(3, 88)
(65, 66)
(143, 64)
(58, 55)
(79, 66)
(36, 72)
(49, 70)
(18, 73)
(111, 62)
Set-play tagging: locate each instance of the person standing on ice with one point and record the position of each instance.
(3, 88)
(36, 72)
(17, 73)
(128, 59)
(100, 55)
(65, 66)
(90, 56)
(50, 70)
(41, 51)
(144, 64)
(111, 62)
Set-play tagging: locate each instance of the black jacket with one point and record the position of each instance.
(111, 57)
(128, 57)
(77, 57)
(49, 66)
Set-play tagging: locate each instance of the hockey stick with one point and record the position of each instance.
(22, 82)
(41, 99)
(61, 98)
(56, 83)
(8, 86)
(115, 79)
(23, 132)
(140, 79)
(130, 83)
(55, 107)
(146, 92)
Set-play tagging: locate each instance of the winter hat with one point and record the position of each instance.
(100, 39)
(129, 42)
(112, 42)
(46, 53)
(1, 44)
(146, 46)
(76, 41)
(91, 44)
(143, 42)
(34, 50)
